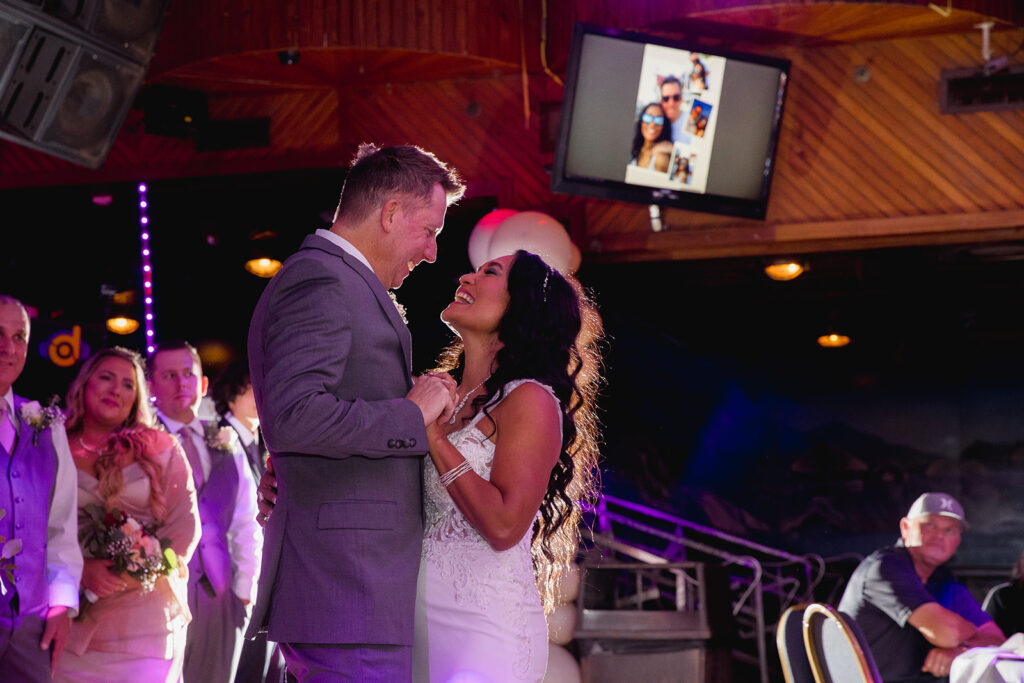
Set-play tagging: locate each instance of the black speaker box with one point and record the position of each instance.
(69, 71)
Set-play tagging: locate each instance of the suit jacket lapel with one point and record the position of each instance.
(383, 298)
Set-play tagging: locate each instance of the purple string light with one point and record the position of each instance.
(147, 267)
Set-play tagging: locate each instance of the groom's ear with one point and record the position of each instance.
(389, 214)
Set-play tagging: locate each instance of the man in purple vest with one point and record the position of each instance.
(39, 493)
(223, 572)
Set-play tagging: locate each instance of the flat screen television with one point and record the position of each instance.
(719, 114)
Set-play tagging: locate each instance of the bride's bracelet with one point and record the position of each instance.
(453, 474)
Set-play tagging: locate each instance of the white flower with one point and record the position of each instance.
(32, 413)
(220, 438)
(40, 418)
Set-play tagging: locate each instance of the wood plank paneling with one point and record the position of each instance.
(858, 163)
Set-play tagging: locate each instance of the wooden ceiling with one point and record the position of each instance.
(861, 164)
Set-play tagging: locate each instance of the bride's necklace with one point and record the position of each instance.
(465, 398)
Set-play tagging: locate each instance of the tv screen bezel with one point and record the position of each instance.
(602, 188)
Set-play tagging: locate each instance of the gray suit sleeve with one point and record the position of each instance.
(306, 340)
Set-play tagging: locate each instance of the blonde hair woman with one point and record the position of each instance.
(130, 631)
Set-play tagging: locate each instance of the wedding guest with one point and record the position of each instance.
(129, 631)
(223, 572)
(915, 615)
(236, 407)
(38, 497)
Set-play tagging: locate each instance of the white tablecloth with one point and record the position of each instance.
(1003, 664)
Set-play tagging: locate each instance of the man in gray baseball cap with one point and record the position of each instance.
(914, 614)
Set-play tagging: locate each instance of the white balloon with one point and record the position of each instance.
(576, 259)
(562, 666)
(535, 232)
(568, 584)
(561, 623)
(483, 231)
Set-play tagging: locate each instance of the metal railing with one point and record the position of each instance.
(646, 535)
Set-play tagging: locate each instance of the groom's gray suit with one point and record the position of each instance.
(330, 362)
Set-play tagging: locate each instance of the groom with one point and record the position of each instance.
(330, 363)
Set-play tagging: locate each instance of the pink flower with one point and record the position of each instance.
(151, 546)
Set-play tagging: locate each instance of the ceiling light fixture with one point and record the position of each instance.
(263, 261)
(263, 267)
(784, 270)
(833, 341)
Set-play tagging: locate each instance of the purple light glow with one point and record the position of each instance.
(142, 188)
(144, 220)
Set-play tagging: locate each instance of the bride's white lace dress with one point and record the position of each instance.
(478, 611)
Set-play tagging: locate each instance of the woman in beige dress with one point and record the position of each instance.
(128, 633)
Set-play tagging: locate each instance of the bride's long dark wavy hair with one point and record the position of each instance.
(551, 332)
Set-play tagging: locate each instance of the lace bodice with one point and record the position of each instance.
(443, 519)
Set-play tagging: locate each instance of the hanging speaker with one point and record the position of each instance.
(71, 70)
(129, 26)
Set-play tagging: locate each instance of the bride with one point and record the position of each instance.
(506, 472)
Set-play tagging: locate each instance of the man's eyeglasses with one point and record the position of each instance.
(674, 98)
(658, 120)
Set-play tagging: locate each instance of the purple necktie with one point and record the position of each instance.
(189, 446)
(7, 431)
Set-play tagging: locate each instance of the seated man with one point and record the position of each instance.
(914, 614)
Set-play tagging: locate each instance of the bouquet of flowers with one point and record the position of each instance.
(134, 548)
(8, 549)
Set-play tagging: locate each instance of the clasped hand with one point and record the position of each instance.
(435, 395)
(940, 660)
(101, 578)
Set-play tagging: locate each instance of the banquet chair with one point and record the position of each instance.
(836, 647)
(789, 639)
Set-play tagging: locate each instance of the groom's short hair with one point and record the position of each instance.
(379, 173)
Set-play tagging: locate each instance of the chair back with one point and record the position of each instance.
(836, 647)
(789, 639)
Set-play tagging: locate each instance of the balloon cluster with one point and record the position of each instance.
(504, 231)
(562, 666)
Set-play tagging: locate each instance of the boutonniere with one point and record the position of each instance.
(398, 307)
(39, 418)
(220, 438)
